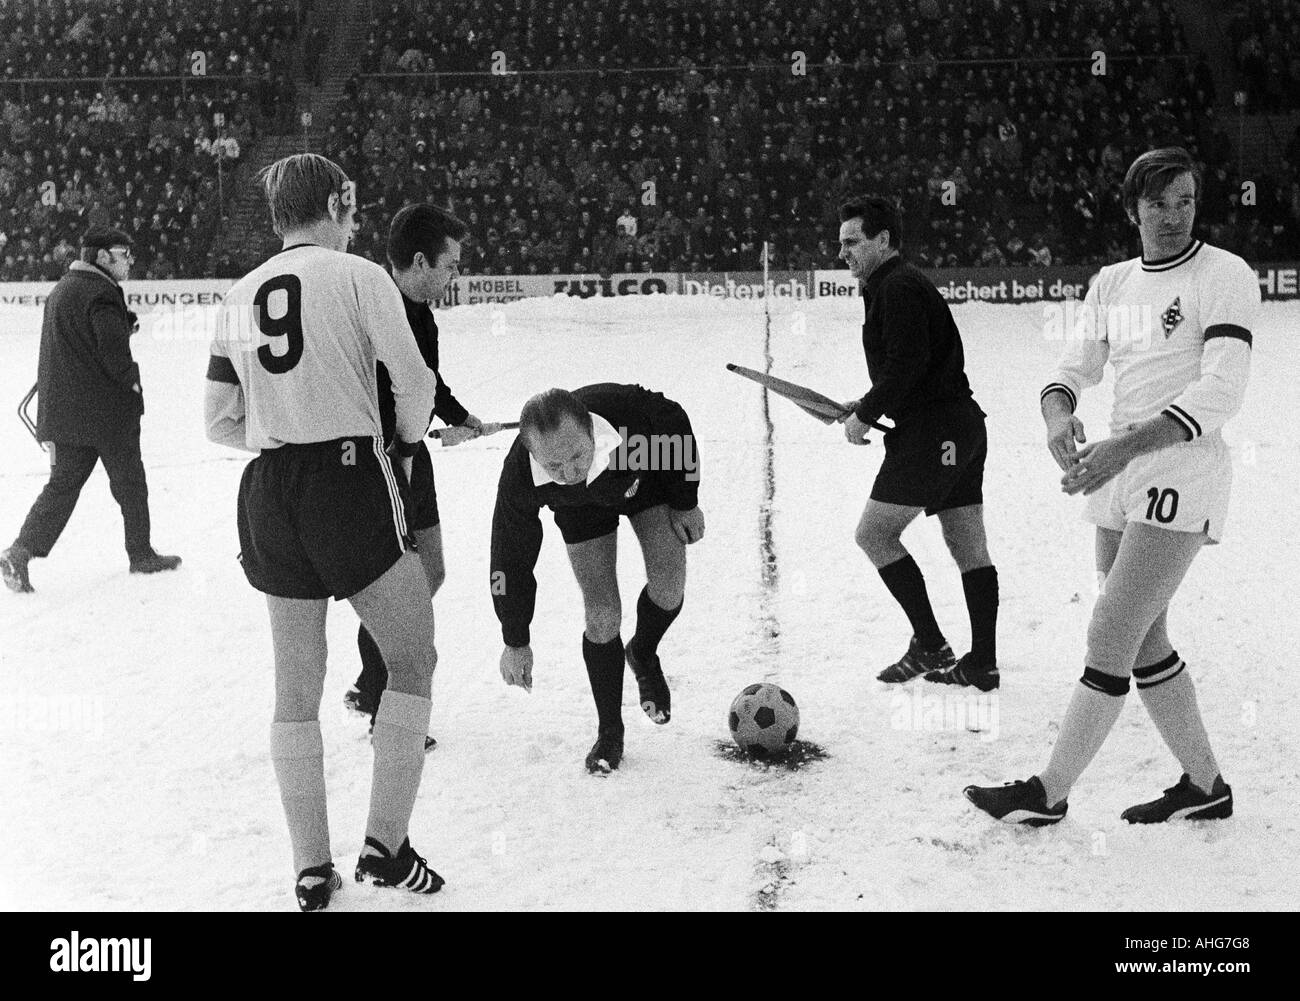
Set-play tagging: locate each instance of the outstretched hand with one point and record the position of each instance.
(517, 666)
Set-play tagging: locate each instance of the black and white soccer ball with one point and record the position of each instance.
(764, 720)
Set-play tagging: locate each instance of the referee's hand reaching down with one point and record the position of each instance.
(517, 666)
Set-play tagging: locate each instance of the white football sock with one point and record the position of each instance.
(1087, 722)
(400, 728)
(1173, 709)
(298, 754)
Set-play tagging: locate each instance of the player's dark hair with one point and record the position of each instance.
(876, 213)
(421, 229)
(546, 411)
(1152, 172)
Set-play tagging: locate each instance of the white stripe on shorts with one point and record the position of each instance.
(394, 494)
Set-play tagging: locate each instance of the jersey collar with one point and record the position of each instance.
(876, 277)
(1168, 263)
(415, 308)
(293, 246)
(608, 441)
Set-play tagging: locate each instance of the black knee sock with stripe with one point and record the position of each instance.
(605, 672)
(651, 624)
(981, 588)
(905, 583)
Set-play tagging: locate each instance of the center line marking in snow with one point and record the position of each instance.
(767, 546)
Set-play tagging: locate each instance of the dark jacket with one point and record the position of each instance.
(88, 383)
(516, 526)
(445, 406)
(913, 349)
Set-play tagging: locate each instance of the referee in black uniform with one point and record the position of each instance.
(594, 455)
(89, 405)
(934, 455)
(423, 258)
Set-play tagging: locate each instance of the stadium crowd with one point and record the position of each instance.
(124, 151)
(1265, 40)
(648, 135)
(578, 164)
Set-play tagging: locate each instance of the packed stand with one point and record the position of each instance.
(140, 155)
(1265, 40)
(693, 160)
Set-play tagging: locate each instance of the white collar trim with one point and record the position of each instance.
(1169, 263)
(608, 441)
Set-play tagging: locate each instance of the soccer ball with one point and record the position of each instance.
(763, 720)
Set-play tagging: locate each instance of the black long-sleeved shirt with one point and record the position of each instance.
(639, 415)
(445, 406)
(913, 349)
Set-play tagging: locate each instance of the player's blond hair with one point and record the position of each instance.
(298, 189)
(1152, 172)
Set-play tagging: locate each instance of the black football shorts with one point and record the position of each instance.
(321, 520)
(935, 460)
(423, 510)
(590, 521)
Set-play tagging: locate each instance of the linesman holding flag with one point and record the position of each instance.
(934, 455)
(423, 257)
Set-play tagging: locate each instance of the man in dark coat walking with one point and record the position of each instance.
(88, 407)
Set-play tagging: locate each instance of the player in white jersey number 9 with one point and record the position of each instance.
(320, 512)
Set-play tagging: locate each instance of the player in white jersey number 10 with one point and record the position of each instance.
(1175, 325)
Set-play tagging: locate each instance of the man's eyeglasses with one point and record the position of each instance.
(125, 252)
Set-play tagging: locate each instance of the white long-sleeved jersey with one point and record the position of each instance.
(1177, 331)
(293, 360)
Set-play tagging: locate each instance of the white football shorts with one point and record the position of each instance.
(1183, 488)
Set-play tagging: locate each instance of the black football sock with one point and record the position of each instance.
(981, 587)
(605, 672)
(373, 678)
(905, 583)
(651, 624)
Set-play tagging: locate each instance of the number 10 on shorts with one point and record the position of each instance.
(1162, 505)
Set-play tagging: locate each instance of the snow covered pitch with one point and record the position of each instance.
(134, 711)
